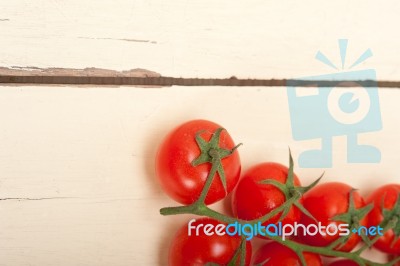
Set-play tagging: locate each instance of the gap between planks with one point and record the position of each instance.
(142, 77)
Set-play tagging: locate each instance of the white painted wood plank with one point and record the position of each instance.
(96, 146)
(256, 39)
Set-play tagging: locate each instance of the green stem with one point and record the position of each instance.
(243, 251)
(190, 209)
(201, 209)
(209, 180)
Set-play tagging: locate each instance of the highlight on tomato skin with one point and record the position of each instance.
(324, 202)
(388, 195)
(252, 199)
(275, 254)
(179, 178)
(201, 249)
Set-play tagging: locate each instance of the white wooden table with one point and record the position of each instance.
(76, 162)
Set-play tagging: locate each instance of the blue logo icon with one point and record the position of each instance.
(322, 107)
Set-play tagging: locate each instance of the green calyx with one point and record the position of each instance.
(352, 217)
(292, 193)
(211, 152)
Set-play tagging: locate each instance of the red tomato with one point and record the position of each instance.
(275, 254)
(344, 263)
(184, 182)
(387, 194)
(202, 249)
(324, 202)
(252, 200)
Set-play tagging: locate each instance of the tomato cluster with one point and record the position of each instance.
(197, 164)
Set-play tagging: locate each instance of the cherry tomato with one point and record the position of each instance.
(275, 254)
(252, 200)
(200, 249)
(184, 182)
(324, 202)
(344, 263)
(388, 195)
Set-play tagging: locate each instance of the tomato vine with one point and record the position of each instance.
(213, 154)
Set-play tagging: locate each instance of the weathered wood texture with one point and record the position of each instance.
(207, 39)
(77, 184)
(87, 154)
